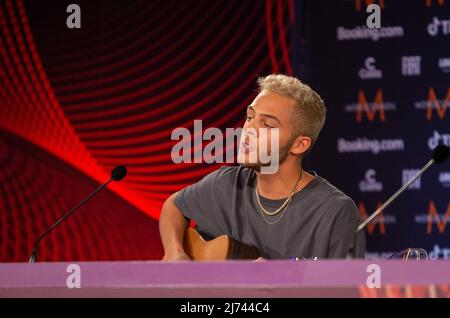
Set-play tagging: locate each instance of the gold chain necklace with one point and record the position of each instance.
(273, 222)
(284, 205)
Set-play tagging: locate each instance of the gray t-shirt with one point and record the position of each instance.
(320, 220)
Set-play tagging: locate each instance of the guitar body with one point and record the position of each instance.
(219, 249)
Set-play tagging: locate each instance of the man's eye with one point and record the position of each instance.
(268, 126)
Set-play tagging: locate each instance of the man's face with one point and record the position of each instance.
(268, 113)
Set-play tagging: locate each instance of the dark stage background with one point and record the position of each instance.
(74, 103)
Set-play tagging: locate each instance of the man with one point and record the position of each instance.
(291, 213)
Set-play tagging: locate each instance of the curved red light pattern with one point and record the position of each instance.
(116, 89)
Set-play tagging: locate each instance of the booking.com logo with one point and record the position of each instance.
(257, 147)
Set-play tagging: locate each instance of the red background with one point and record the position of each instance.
(74, 103)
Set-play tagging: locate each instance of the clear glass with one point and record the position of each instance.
(411, 254)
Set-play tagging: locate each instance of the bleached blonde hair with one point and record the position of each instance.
(309, 111)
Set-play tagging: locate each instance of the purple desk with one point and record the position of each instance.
(230, 279)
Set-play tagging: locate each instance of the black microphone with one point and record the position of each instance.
(117, 174)
(440, 154)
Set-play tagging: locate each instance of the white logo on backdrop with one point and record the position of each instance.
(411, 65)
(444, 179)
(439, 252)
(364, 33)
(444, 64)
(374, 146)
(436, 24)
(437, 139)
(370, 71)
(370, 184)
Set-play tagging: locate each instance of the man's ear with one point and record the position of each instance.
(300, 145)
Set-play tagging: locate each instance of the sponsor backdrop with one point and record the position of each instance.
(387, 91)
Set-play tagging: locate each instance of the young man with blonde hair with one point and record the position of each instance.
(289, 213)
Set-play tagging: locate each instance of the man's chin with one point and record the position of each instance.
(254, 166)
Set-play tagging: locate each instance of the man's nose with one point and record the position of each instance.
(251, 131)
(252, 128)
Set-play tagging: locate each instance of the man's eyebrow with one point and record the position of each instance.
(265, 115)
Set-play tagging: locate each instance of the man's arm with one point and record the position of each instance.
(343, 240)
(196, 202)
(172, 225)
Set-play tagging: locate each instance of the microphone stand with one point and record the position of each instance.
(395, 195)
(440, 154)
(33, 257)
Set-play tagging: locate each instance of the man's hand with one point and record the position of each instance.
(259, 259)
(175, 256)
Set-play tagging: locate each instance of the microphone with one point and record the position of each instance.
(117, 174)
(440, 154)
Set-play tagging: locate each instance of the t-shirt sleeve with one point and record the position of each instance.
(197, 202)
(343, 240)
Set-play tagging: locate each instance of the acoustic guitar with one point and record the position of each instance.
(219, 249)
